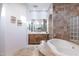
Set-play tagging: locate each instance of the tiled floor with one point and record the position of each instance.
(32, 50)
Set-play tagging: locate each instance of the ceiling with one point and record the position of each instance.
(38, 6)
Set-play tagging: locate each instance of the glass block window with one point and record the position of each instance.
(74, 28)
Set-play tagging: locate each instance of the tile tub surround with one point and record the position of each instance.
(60, 27)
(61, 14)
(60, 22)
(70, 8)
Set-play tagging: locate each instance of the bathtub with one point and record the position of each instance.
(63, 47)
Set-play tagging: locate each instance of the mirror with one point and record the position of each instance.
(37, 25)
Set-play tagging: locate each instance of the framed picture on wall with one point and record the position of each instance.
(13, 19)
(19, 23)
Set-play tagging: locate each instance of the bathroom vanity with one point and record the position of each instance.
(35, 38)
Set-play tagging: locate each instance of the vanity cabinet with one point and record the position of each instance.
(36, 38)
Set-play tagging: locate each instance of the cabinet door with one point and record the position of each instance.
(37, 38)
(32, 39)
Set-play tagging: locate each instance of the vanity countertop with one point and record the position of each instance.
(38, 33)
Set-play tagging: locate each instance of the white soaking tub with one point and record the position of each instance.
(63, 47)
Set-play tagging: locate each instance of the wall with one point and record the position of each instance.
(50, 21)
(15, 36)
(50, 26)
(2, 36)
(39, 14)
(61, 18)
(60, 21)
